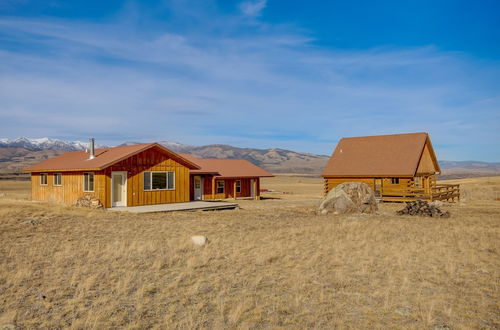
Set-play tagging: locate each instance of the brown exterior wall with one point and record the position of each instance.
(228, 188)
(149, 160)
(70, 190)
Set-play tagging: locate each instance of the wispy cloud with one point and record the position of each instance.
(253, 8)
(261, 86)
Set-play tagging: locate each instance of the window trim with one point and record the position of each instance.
(93, 182)
(223, 186)
(46, 175)
(54, 179)
(151, 181)
(238, 186)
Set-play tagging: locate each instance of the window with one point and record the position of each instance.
(395, 180)
(88, 182)
(43, 179)
(238, 186)
(159, 180)
(57, 179)
(220, 186)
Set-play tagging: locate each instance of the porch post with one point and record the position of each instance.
(234, 189)
(213, 187)
(255, 191)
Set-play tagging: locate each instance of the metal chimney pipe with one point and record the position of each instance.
(91, 148)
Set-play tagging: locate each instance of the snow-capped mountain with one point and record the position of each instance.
(44, 144)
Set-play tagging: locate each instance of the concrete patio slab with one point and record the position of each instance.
(189, 206)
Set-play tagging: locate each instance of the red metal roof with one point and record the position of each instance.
(395, 155)
(79, 160)
(227, 168)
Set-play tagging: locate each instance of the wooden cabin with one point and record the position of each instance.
(225, 178)
(400, 167)
(134, 175)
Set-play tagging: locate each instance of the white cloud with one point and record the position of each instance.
(253, 8)
(119, 82)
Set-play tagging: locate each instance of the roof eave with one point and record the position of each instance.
(368, 176)
(61, 170)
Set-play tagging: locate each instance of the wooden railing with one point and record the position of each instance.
(448, 192)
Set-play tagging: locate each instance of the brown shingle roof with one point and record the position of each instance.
(227, 168)
(395, 155)
(79, 160)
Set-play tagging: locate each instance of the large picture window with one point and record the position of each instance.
(88, 182)
(43, 179)
(57, 179)
(220, 186)
(159, 180)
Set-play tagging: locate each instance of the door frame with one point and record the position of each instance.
(124, 191)
(201, 187)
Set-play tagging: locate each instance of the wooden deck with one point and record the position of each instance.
(447, 192)
(171, 207)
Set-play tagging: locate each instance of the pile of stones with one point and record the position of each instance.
(423, 208)
(89, 201)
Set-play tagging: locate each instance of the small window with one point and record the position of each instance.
(43, 179)
(57, 179)
(159, 180)
(395, 180)
(88, 182)
(238, 186)
(220, 186)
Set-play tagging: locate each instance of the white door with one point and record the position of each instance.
(252, 192)
(118, 188)
(198, 188)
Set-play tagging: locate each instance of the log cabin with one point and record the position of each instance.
(133, 175)
(399, 167)
(225, 178)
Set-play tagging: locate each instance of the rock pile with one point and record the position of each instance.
(423, 208)
(349, 197)
(89, 201)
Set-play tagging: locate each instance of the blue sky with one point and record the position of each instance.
(288, 74)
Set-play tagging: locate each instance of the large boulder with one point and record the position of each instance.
(349, 197)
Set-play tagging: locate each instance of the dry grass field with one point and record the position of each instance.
(271, 264)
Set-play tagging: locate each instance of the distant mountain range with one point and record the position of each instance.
(43, 144)
(19, 153)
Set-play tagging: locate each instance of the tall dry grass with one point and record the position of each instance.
(274, 263)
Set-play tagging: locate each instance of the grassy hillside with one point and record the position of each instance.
(274, 264)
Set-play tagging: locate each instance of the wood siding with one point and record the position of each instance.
(382, 183)
(228, 188)
(426, 164)
(149, 160)
(69, 191)
(407, 189)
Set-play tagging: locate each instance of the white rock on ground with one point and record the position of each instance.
(199, 240)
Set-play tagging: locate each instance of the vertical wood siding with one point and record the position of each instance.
(228, 188)
(70, 190)
(150, 160)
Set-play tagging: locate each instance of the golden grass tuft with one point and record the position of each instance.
(273, 263)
